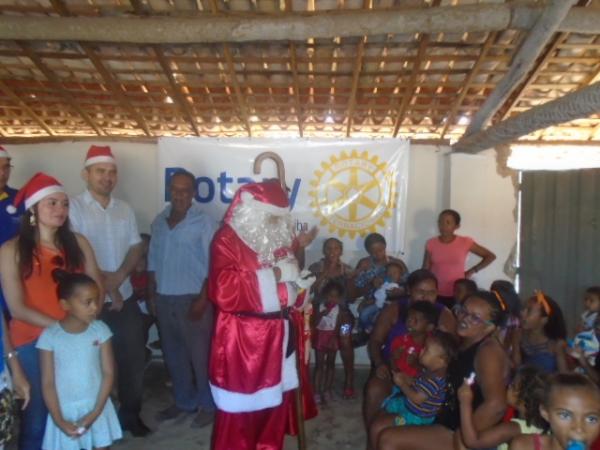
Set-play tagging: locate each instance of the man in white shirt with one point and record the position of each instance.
(110, 226)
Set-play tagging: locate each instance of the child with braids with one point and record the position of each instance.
(542, 335)
(525, 394)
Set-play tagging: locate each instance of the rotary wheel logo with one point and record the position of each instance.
(353, 193)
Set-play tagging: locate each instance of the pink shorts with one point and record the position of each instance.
(326, 341)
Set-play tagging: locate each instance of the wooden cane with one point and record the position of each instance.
(298, 395)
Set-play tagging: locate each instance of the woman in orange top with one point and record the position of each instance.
(44, 243)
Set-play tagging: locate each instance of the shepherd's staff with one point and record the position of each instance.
(298, 397)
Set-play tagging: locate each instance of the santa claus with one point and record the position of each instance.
(254, 282)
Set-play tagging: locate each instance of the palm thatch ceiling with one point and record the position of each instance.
(417, 84)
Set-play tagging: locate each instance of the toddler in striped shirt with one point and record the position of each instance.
(416, 401)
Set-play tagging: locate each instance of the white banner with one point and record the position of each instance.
(348, 188)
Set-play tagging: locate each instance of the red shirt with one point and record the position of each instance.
(410, 354)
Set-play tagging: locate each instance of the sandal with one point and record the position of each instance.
(349, 394)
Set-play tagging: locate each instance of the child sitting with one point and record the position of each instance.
(591, 303)
(463, 288)
(326, 339)
(524, 393)
(543, 332)
(418, 401)
(369, 310)
(421, 319)
(571, 406)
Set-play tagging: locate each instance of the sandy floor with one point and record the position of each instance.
(338, 425)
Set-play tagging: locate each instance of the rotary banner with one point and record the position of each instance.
(348, 188)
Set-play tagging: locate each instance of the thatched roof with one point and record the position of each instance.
(418, 85)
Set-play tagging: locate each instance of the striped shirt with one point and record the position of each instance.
(435, 389)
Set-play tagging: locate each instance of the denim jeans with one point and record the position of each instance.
(186, 348)
(130, 357)
(33, 418)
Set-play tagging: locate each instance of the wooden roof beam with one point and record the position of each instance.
(467, 84)
(298, 103)
(523, 61)
(53, 78)
(575, 105)
(15, 98)
(178, 97)
(219, 28)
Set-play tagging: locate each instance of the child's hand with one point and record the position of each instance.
(465, 393)
(401, 379)
(86, 421)
(69, 428)
(383, 372)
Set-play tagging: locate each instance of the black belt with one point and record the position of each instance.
(284, 314)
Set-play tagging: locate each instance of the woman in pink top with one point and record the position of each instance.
(446, 254)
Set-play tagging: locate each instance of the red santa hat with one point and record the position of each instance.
(4, 153)
(267, 196)
(38, 187)
(99, 154)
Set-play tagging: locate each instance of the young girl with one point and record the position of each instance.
(542, 337)
(571, 406)
(525, 394)
(326, 339)
(77, 371)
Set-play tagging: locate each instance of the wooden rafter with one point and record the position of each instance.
(523, 61)
(298, 103)
(204, 28)
(233, 77)
(573, 106)
(115, 87)
(15, 98)
(546, 56)
(489, 42)
(360, 51)
(411, 86)
(181, 102)
(178, 97)
(412, 82)
(67, 97)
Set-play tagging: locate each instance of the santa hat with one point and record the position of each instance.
(267, 196)
(98, 154)
(4, 153)
(38, 187)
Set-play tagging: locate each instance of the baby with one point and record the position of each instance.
(417, 401)
(368, 313)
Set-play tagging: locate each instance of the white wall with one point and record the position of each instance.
(138, 171)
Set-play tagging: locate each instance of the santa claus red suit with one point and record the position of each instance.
(253, 281)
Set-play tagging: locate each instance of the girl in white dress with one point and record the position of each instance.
(78, 371)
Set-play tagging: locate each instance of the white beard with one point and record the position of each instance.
(254, 227)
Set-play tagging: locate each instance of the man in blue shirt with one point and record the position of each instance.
(178, 266)
(9, 223)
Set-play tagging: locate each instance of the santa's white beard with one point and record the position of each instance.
(263, 232)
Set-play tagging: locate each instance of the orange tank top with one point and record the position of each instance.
(40, 294)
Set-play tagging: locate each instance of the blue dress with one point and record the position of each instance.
(78, 377)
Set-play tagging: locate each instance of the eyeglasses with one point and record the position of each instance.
(472, 318)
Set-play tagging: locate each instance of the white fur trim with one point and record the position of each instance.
(30, 201)
(292, 294)
(11, 209)
(267, 289)
(236, 402)
(99, 159)
(249, 200)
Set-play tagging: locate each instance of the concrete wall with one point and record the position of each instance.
(437, 180)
